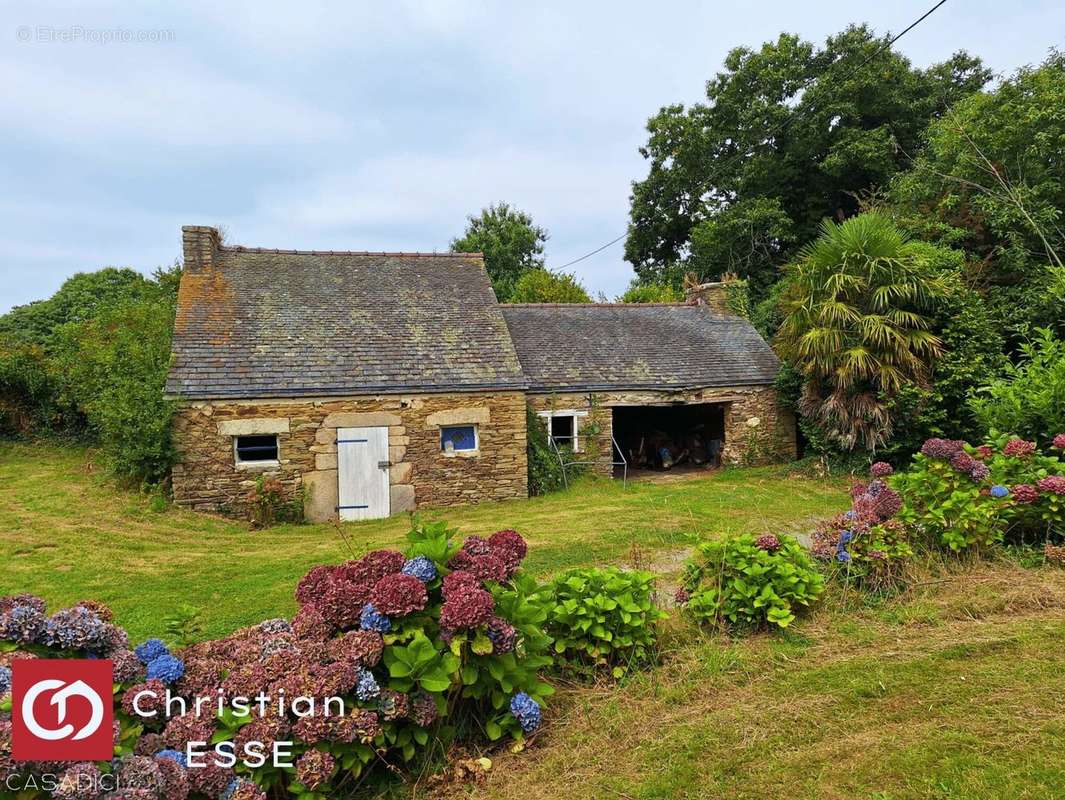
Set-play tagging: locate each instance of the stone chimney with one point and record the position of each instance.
(199, 244)
(712, 295)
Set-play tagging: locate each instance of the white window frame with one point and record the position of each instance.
(469, 453)
(271, 463)
(549, 417)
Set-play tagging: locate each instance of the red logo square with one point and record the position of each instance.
(61, 710)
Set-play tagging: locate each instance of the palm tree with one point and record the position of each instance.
(853, 325)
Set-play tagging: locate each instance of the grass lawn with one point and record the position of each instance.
(69, 534)
(949, 691)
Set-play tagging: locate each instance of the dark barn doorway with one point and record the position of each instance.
(670, 437)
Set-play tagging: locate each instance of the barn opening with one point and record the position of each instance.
(681, 436)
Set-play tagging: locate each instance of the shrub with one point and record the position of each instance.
(545, 470)
(866, 544)
(269, 503)
(650, 293)
(603, 618)
(114, 368)
(456, 654)
(543, 286)
(743, 581)
(964, 496)
(1029, 399)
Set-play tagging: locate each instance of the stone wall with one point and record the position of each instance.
(207, 477)
(746, 443)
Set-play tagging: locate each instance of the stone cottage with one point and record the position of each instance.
(375, 383)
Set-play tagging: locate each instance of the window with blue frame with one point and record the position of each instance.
(457, 438)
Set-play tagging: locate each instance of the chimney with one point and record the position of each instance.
(712, 295)
(199, 243)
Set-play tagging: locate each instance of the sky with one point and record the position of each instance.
(377, 126)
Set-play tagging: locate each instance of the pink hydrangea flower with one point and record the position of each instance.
(881, 469)
(1052, 484)
(1059, 441)
(1018, 448)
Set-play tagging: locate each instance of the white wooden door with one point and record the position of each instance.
(362, 469)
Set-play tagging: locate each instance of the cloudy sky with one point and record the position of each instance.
(358, 125)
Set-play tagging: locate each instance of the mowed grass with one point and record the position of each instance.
(951, 691)
(68, 533)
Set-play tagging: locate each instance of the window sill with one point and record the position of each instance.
(258, 466)
(461, 453)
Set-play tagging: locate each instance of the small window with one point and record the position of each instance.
(562, 431)
(458, 438)
(252, 449)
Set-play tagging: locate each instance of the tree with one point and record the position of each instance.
(512, 245)
(990, 182)
(81, 297)
(789, 134)
(542, 286)
(650, 293)
(853, 326)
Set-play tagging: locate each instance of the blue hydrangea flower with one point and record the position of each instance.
(166, 669)
(25, 624)
(845, 537)
(526, 711)
(150, 650)
(998, 491)
(843, 555)
(373, 620)
(76, 628)
(231, 789)
(422, 568)
(173, 755)
(849, 514)
(5, 680)
(366, 687)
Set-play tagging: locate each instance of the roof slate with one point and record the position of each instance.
(636, 346)
(271, 323)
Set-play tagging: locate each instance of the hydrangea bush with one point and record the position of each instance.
(743, 581)
(444, 640)
(964, 496)
(867, 544)
(603, 618)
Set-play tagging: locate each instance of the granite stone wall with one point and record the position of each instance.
(207, 477)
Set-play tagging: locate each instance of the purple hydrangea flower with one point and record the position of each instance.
(150, 650)
(503, 635)
(998, 491)
(5, 680)
(373, 620)
(422, 568)
(167, 669)
(979, 471)
(367, 688)
(526, 711)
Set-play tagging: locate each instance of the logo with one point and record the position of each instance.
(61, 710)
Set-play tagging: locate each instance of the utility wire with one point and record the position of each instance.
(773, 132)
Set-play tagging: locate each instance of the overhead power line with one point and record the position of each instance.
(773, 132)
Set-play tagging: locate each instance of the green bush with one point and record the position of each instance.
(114, 368)
(545, 470)
(1029, 399)
(747, 582)
(650, 293)
(603, 618)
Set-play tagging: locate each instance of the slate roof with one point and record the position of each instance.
(636, 346)
(270, 323)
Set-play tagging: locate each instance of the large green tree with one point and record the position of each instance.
(991, 181)
(855, 326)
(512, 245)
(789, 134)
